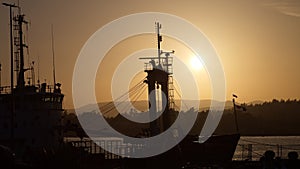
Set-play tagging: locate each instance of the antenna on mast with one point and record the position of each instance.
(159, 39)
(53, 56)
(38, 66)
(32, 73)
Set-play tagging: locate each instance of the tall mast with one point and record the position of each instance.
(158, 76)
(235, 115)
(38, 80)
(19, 19)
(11, 6)
(235, 106)
(21, 79)
(53, 56)
(12, 120)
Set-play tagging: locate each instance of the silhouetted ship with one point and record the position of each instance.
(218, 149)
(30, 114)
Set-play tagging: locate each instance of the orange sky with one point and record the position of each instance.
(257, 41)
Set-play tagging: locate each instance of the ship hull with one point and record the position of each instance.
(217, 150)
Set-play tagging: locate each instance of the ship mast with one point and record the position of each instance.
(53, 57)
(158, 75)
(12, 120)
(235, 106)
(11, 6)
(19, 26)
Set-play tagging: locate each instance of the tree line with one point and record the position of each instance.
(276, 117)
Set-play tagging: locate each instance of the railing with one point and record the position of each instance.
(115, 146)
(47, 89)
(166, 67)
(256, 151)
(5, 90)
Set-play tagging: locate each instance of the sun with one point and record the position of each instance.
(196, 63)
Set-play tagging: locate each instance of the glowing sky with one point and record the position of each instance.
(257, 41)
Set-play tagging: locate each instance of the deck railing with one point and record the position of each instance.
(115, 146)
(5, 90)
(47, 89)
(253, 152)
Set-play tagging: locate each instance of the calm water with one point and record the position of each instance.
(281, 145)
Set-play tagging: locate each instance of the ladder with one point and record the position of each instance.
(171, 92)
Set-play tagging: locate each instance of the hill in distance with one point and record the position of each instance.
(142, 106)
(278, 117)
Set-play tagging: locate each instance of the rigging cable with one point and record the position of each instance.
(118, 100)
(111, 105)
(179, 95)
(116, 105)
(136, 97)
(133, 88)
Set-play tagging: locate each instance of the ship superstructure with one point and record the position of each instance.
(159, 76)
(30, 113)
(217, 149)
